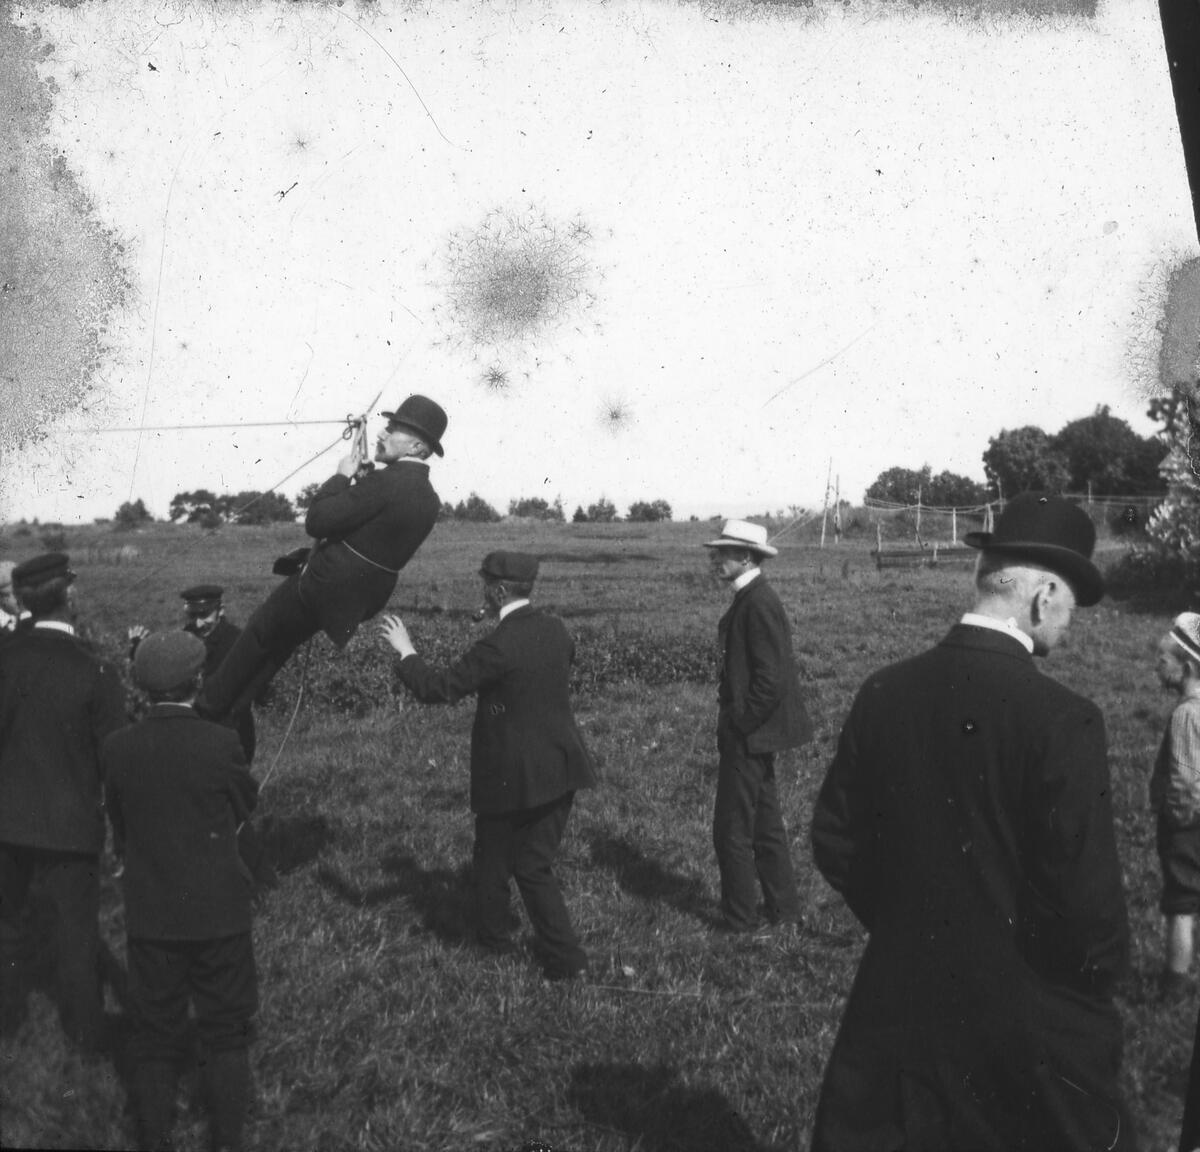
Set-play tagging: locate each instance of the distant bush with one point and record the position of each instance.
(649, 510)
(476, 509)
(363, 678)
(53, 537)
(535, 508)
(131, 515)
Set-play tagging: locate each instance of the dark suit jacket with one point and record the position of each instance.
(759, 689)
(967, 820)
(57, 704)
(526, 749)
(177, 788)
(383, 516)
(217, 645)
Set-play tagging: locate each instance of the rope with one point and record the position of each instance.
(206, 427)
(295, 712)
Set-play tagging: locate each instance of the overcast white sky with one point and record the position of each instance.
(870, 234)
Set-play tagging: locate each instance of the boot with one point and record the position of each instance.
(154, 1087)
(226, 1077)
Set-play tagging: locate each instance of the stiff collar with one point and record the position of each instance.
(744, 579)
(512, 606)
(1008, 627)
(55, 626)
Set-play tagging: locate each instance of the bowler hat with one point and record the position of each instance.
(168, 660)
(47, 566)
(744, 534)
(201, 599)
(424, 416)
(518, 566)
(1051, 531)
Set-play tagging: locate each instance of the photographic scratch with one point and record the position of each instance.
(817, 367)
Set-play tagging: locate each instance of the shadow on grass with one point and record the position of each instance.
(656, 1111)
(290, 842)
(441, 898)
(641, 876)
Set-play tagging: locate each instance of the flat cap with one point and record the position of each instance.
(167, 660)
(47, 566)
(201, 599)
(519, 566)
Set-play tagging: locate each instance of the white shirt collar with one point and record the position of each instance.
(745, 579)
(512, 606)
(56, 625)
(1008, 627)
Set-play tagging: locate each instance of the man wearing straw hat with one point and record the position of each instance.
(760, 712)
(368, 525)
(967, 820)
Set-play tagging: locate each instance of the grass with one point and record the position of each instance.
(379, 1028)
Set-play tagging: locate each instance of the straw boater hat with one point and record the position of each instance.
(1050, 531)
(744, 534)
(1185, 631)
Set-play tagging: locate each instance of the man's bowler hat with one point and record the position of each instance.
(517, 566)
(424, 416)
(744, 534)
(1050, 531)
(47, 566)
(165, 661)
(201, 599)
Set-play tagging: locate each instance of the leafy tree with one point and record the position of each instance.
(1024, 460)
(579, 516)
(251, 507)
(1104, 451)
(477, 509)
(191, 506)
(949, 490)
(131, 515)
(900, 485)
(536, 508)
(604, 511)
(654, 510)
(304, 497)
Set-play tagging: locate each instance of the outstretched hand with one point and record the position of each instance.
(392, 629)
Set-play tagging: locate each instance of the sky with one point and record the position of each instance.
(708, 253)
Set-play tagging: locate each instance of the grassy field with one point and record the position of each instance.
(380, 1029)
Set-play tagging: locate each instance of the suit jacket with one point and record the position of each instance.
(759, 690)
(367, 530)
(57, 704)
(217, 645)
(526, 749)
(967, 820)
(177, 788)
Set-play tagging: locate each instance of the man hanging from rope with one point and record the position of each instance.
(367, 524)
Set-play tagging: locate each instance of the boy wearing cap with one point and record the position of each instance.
(368, 525)
(527, 756)
(177, 789)
(967, 820)
(58, 702)
(760, 712)
(1175, 800)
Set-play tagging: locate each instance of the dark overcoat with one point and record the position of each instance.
(759, 687)
(526, 749)
(57, 704)
(177, 787)
(967, 820)
(217, 645)
(367, 531)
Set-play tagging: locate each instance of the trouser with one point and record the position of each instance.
(71, 882)
(522, 845)
(274, 631)
(217, 978)
(749, 836)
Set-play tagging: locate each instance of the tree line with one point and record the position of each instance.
(1100, 454)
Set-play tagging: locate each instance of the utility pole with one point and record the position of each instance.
(825, 509)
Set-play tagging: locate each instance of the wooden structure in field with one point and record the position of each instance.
(931, 555)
